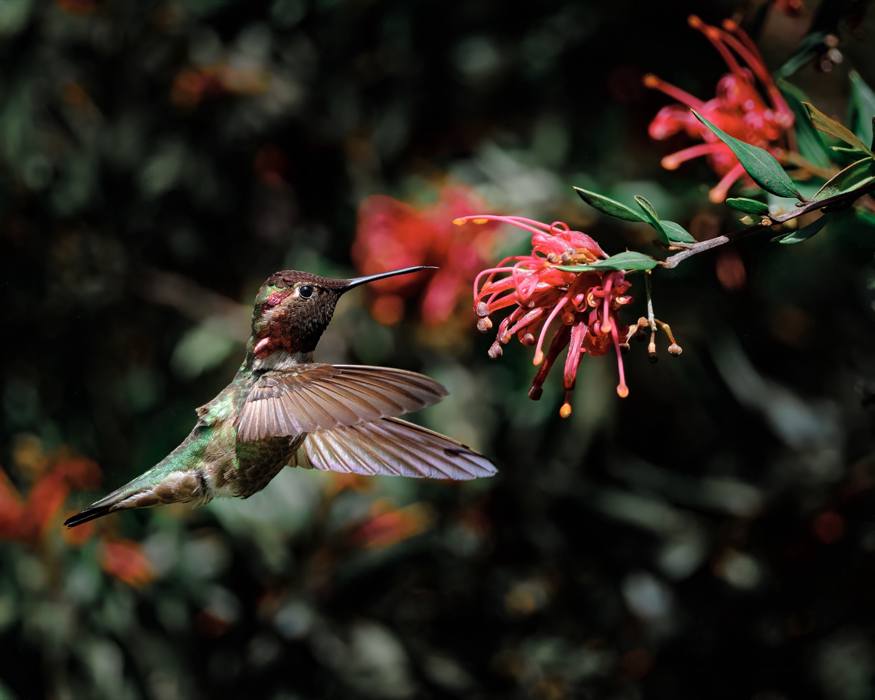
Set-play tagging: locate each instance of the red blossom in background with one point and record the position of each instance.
(581, 308)
(126, 561)
(28, 519)
(748, 106)
(794, 8)
(387, 525)
(192, 86)
(393, 234)
(32, 518)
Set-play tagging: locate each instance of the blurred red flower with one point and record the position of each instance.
(191, 86)
(393, 234)
(748, 105)
(387, 525)
(27, 520)
(581, 307)
(126, 561)
(794, 8)
(77, 7)
(31, 519)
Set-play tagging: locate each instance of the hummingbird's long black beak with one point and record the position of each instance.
(356, 281)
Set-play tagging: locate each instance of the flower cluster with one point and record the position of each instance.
(581, 308)
(393, 234)
(31, 519)
(748, 106)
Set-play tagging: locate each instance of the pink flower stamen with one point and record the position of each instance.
(622, 389)
(607, 326)
(483, 218)
(673, 91)
(572, 361)
(527, 320)
(674, 160)
(539, 355)
(718, 193)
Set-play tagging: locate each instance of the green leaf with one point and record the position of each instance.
(609, 206)
(808, 49)
(830, 126)
(748, 206)
(804, 233)
(630, 261)
(853, 177)
(862, 108)
(652, 218)
(761, 165)
(866, 216)
(810, 144)
(676, 232)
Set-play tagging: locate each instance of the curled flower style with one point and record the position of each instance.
(581, 308)
(391, 234)
(748, 105)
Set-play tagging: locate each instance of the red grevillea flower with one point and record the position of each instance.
(393, 234)
(748, 105)
(580, 308)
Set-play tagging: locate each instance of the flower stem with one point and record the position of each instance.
(766, 222)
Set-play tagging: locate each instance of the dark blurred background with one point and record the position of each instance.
(712, 536)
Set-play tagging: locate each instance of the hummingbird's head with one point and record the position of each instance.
(293, 308)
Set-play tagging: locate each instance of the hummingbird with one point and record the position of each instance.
(283, 408)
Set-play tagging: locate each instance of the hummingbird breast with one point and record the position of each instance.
(256, 464)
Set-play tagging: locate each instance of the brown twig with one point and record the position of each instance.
(765, 222)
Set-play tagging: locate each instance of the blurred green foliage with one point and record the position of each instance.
(710, 537)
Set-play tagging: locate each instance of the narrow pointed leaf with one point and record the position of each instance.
(862, 108)
(808, 49)
(804, 233)
(761, 165)
(748, 206)
(810, 144)
(830, 126)
(609, 206)
(853, 177)
(652, 218)
(630, 261)
(675, 232)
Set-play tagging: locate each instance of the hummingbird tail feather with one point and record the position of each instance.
(120, 499)
(153, 488)
(87, 515)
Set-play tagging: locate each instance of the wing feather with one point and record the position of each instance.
(392, 447)
(315, 397)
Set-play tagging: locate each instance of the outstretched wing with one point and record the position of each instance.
(392, 447)
(322, 396)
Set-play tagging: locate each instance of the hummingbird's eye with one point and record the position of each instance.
(305, 291)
